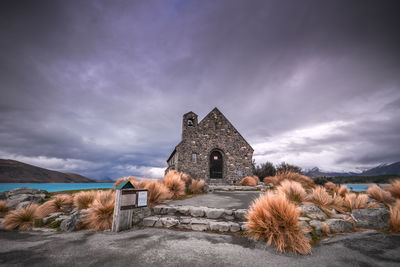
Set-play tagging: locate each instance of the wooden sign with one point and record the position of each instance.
(141, 198)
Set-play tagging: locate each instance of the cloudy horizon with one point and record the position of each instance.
(99, 87)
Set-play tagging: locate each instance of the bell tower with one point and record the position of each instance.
(189, 123)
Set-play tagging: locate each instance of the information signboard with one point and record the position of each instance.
(141, 198)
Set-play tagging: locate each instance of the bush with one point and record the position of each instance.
(395, 217)
(173, 182)
(274, 218)
(377, 193)
(3, 208)
(269, 180)
(157, 192)
(21, 219)
(248, 181)
(100, 214)
(264, 170)
(293, 191)
(394, 188)
(56, 204)
(305, 181)
(83, 199)
(285, 167)
(196, 186)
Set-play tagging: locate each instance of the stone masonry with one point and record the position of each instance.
(214, 135)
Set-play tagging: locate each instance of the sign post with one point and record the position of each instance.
(127, 199)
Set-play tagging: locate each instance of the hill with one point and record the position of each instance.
(12, 171)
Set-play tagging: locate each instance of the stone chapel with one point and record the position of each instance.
(211, 149)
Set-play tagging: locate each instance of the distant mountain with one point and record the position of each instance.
(12, 171)
(384, 169)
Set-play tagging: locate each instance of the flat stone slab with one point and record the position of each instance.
(313, 212)
(372, 218)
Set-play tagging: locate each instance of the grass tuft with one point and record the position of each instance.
(394, 188)
(272, 217)
(305, 181)
(293, 191)
(342, 191)
(395, 217)
(321, 198)
(330, 186)
(58, 203)
(377, 193)
(157, 192)
(83, 199)
(196, 186)
(3, 208)
(21, 219)
(100, 213)
(131, 179)
(248, 181)
(172, 180)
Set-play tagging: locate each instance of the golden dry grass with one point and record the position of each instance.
(377, 193)
(21, 219)
(105, 196)
(325, 229)
(337, 203)
(255, 177)
(196, 186)
(395, 217)
(157, 192)
(342, 190)
(248, 181)
(305, 181)
(100, 214)
(187, 179)
(293, 191)
(83, 199)
(330, 186)
(321, 198)
(353, 201)
(272, 217)
(394, 188)
(174, 183)
(58, 203)
(269, 180)
(142, 183)
(3, 208)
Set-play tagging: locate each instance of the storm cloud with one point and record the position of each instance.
(100, 87)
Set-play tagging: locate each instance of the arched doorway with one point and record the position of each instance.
(216, 165)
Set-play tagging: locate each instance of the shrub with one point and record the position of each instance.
(83, 199)
(22, 218)
(174, 183)
(330, 186)
(248, 181)
(377, 193)
(264, 170)
(157, 192)
(394, 188)
(3, 208)
(131, 179)
(395, 217)
(100, 214)
(321, 198)
(305, 181)
(285, 167)
(293, 191)
(273, 217)
(58, 203)
(197, 186)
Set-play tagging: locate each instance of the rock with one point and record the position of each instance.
(305, 226)
(71, 223)
(150, 221)
(339, 225)
(158, 223)
(340, 216)
(170, 210)
(220, 226)
(229, 218)
(200, 225)
(3, 195)
(243, 227)
(51, 216)
(317, 226)
(185, 220)
(228, 212)
(313, 212)
(23, 204)
(169, 221)
(196, 211)
(235, 227)
(214, 213)
(372, 218)
(139, 214)
(25, 190)
(62, 218)
(240, 214)
(304, 219)
(184, 210)
(160, 209)
(22, 197)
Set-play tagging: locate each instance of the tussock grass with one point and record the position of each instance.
(100, 214)
(330, 186)
(325, 229)
(131, 179)
(105, 196)
(157, 192)
(293, 191)
(321, 198)
(255, 177)
(83, 199)
(305, 181)
(377, 193)
(3, 208)
(58, 203)
(248, 181)
(342, 190)
(174, 183)
(395, 217)
(394, 188)
(196, 186)
(272, 217)
(353, 201)
(269, 180)
(187, 179)
(21, 219)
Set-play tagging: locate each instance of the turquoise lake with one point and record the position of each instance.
(56, 186)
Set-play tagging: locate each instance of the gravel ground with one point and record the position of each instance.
(163, 247)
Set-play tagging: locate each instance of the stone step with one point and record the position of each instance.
(194, 224)
(201, 212)
(217, 187)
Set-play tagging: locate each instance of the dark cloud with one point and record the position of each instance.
(99, 87)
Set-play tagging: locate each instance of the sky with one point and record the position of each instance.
(99, 87)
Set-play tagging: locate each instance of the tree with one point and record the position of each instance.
(264, 170)
(286, 167)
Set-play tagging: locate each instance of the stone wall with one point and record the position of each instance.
(214, 132)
